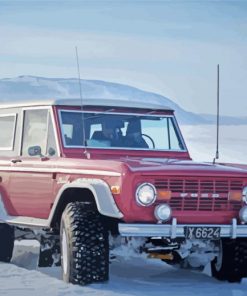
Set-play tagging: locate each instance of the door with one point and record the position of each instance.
(32, 176)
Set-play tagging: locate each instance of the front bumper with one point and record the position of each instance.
(177, 230)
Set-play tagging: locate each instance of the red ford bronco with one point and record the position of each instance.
(115, 168)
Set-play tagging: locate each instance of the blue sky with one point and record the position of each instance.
(169, 47)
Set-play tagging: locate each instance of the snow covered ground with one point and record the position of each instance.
(201, 142)
(133, 275)
(128, 276)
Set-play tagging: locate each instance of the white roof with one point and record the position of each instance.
(86, 102)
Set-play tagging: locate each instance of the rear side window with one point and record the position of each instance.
(38, 132)
(7, 135)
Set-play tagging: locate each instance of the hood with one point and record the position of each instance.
(182, 167)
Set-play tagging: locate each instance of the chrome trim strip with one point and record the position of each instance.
(164, 230)
(59, 170)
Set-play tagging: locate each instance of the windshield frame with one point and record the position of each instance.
(150, 114)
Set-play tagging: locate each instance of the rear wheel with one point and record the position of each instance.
(7, 237)
(230, 264)
(84, 245)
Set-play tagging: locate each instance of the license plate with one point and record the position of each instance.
(202, 232)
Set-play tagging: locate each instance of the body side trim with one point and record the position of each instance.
(60, 170)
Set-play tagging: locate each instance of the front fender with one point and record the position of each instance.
(102, 194)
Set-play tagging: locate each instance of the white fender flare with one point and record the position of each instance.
(102, 194)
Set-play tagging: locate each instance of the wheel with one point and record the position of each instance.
(147, 136)
(230, 264)
(84, 245)
(49, 254)
(7, 236)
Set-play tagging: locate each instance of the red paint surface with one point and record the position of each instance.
(32, 193)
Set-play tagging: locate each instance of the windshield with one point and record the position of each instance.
(125, 131)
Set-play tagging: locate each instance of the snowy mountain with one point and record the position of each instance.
(30, 87)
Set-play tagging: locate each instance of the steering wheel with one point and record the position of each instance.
(151, 140)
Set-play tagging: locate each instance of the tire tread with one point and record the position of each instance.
(89, 247)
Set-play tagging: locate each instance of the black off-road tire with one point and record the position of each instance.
(84, 245)
(7, 237)
(233, 265)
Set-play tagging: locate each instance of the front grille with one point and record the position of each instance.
(217, 191)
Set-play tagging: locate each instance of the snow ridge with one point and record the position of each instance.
(32, 87)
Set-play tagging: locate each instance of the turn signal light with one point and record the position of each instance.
(235, 195)
(164, 195)
(115, 189)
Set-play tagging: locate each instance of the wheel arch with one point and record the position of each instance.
(95, 192)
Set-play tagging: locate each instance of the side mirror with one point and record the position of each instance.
(34, 151)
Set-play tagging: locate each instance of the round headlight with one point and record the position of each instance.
(243, 214)
(244, 194)
(146, 194)
(163, 212)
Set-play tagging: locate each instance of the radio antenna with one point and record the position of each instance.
(82, 109)
(218, 113)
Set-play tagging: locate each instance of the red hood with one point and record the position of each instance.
(182, 167)
(157, 166)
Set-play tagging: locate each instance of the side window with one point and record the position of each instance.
(7, 123)
(38, 132)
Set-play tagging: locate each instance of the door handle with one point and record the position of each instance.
(16, 160)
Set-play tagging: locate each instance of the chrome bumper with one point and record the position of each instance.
(177, 230)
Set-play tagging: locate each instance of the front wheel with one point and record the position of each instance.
(84, 245)
(230, 264)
